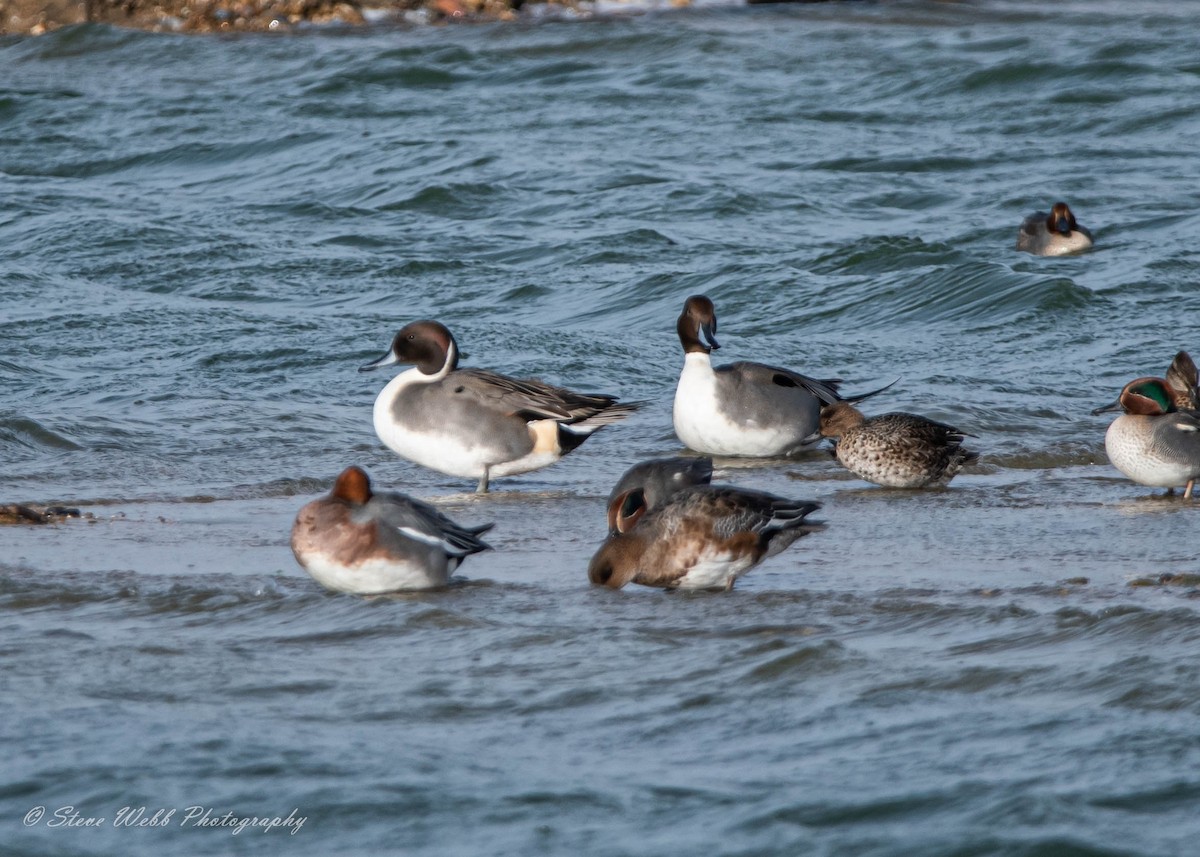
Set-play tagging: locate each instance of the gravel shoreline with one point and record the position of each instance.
(35, 17)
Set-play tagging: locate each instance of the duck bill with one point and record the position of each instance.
(1109, 409)
(709, 335)
(388, 359)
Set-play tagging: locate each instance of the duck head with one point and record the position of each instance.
(659, 478)
(697, 325)
(1061, 220)
(427, 344)
(837, 418)
(352, 486)
(1142, 396)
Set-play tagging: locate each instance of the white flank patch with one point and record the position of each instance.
(714, 571)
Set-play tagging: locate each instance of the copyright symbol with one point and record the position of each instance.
(34, 815)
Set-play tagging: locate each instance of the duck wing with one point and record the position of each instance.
(827, 390)
(424, 523)
(824, 390)
(532, 399)
(739, 510)
(1184, 382)
(919, 428)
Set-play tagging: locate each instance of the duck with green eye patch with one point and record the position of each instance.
(1156, 440)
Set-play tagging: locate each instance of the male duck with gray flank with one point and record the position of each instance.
(896, 450)
(356, 541)
(744, 409)
(1156, 440)
(1053, 234)
(475, 423)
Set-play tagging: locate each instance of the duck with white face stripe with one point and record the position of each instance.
(475, 423)
(743, 409)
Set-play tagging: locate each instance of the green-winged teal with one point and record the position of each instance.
(1156, 440)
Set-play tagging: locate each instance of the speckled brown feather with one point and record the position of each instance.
(1183, 381)
(898, 450)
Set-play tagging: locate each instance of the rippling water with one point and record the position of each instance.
(201, 238)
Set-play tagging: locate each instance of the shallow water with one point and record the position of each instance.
(202, 238)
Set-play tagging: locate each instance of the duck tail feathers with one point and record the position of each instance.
(858, 397)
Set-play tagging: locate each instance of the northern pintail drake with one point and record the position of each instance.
(896, 450)
(660, 478)
(1053, 234)
(475, 423)
(744, 409)
(354, 540)
(1156, 440)
(700, 538)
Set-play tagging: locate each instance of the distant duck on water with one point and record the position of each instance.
(1053, 234)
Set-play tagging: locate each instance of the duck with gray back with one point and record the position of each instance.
(743, 409)
(896, 450)
(699, 538)
(475, 423)
(1156, 440)
(1053, 234)
(359, 541)
(660, 478)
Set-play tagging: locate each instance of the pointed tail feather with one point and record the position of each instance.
(858, 397)
(614, 413)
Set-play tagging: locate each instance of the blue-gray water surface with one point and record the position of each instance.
(201, 239)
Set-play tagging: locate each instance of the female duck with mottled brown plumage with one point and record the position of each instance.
(896, 450)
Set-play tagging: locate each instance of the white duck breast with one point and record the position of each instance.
(380, 576)
(714, 570)
(1162, 452)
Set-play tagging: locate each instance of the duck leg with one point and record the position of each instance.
(482, 487)
(1187, 492)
